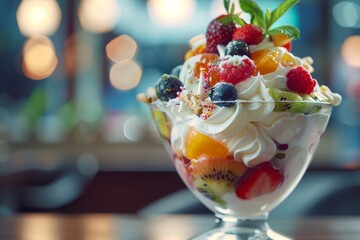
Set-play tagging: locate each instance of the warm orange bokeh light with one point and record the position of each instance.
(99, 16)
(351, 51)
(125, 75)
(171, 12)
(122, 48)
(39, 58)
(38, 17)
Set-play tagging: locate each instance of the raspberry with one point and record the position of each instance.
(235, 69)
(300, 80)
(218, 33)
(249, 33)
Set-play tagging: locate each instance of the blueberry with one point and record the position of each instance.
(167, 87)
(223, 92)
(176, 71)
(237, 47)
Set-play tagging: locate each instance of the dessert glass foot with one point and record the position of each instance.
(242, 161)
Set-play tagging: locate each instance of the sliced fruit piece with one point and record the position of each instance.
(206, 61)
(161, 123)
(280, 39)
(205, 189)
(214, 177)
(266, 61)
(292, 101)
(199, 145)
(258, 181)
(214, 76)
(287, 60)
(192, 52)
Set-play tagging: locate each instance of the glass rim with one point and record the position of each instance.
(158, 102)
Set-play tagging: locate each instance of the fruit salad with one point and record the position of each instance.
(242, 115)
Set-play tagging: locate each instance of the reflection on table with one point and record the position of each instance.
(162, 227)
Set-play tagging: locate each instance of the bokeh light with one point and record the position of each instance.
(347, 14)
(39, 58)
(125, 75)
(351, 51)
(38, 17)
(99, 16)
(122, 48)
(171, 13)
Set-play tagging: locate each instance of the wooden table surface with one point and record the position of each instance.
(165, 227)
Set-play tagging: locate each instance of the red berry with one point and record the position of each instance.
(300, 80)
(218, 33)
(249, 33)
(260, 180)
(235, 69)
(288, 46)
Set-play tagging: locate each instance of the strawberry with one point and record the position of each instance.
(218, 33)
(300, 80)
(260, 180)
(249, 33)
(235, 69)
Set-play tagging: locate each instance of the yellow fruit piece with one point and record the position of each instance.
(200, 145)
(266, 61)
(189, 54)
(200, 49)
(287, 60)
(192, 52)
(280, 39)
(161, 124)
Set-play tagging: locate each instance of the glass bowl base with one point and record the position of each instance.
(231, 228)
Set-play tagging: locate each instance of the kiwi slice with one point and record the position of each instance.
(208, 191)
(161, 123)
(292, 101)
(311, 107)
(213, 177)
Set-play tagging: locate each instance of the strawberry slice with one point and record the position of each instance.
(258, 181)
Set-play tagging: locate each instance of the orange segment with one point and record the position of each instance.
(200, 145)
(280, 39)
(266, 61)
(198, 50)
(214, 77)
(199, 67)
(202, 66)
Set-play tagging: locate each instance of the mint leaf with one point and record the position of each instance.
(238, 20)
(289, 31)
(280, 10)
(257, 15)
(232, 11)
(267, 18)
(227, 5)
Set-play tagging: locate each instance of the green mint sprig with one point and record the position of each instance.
(231, 17)
(267, 19)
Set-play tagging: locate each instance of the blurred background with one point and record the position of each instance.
(74, 139)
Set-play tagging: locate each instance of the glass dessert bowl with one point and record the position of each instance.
(244, 160)
(241, 118)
